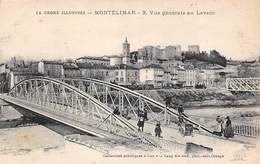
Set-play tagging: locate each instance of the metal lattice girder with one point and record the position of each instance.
(91, 103)
(243, 84)
(62, 97)
(118, 97)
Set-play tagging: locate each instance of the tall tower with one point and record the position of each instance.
(126, 52)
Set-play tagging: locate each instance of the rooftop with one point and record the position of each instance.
(24, 71)
(92, 66)
(58, 62)
(115, 56)
(214, 67)
(70, 65)
(124, 66)
(93, 58)
(233, 62)
(153, 66)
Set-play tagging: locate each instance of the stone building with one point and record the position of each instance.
(172, 52)
(126, 52)
(94, 71)
(15, 62)
(167, 79)
(94, 60)
(152, 74)
(249, 69)
(3, 82)
(191, 77)
(52, 69)
(180, 75)
(3, 68)
(148, 55)
(194, 49)
(124, 74)
(18, 74)
(231, 69)
(115, 60)
(71, 70)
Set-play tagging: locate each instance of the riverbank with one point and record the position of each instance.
(241, 115)
(26, 139)
(194, 98)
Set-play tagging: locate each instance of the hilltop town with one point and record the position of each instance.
(165, 80)
(148, 68)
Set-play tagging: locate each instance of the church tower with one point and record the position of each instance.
(126, 52)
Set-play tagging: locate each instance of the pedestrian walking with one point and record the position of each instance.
(125, 113)
(228, 131)
(220, 122)
(181, 110)
(219, 129)
(158, 130)
(140, 123)
(168, 100)
(116, 111)
(139, 112)
(145, 115)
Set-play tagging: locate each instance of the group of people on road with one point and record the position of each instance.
(124, 112)
(221, 128)
(142, 115)
(225, 130)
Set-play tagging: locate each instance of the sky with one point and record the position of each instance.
(234, 29)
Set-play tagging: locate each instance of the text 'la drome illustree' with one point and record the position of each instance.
(127, 12)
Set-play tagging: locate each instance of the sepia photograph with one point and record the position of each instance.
(119, 81)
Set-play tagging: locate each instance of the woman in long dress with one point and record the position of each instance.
(228, 132)
(218, 128)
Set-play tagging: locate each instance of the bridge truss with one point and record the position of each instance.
(128, 101)
(90, 104)
(69, 105)
(243, 84)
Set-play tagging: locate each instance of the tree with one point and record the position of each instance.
(214, 57)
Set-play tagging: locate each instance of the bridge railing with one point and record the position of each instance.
(248, 130)
(243, 84)
(126, 97)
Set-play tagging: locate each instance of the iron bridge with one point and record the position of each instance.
(118, 97)
(243, 84)
(89, 105)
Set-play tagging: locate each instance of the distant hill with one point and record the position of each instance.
(214, 57)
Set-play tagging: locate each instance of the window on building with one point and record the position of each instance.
(121, 79)
(116, 73)
(116, 78)
(122, 73)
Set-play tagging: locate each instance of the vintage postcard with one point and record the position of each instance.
(120, 81)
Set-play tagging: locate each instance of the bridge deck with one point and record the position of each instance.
(169, 133)
(219, 144)
(71, 121)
